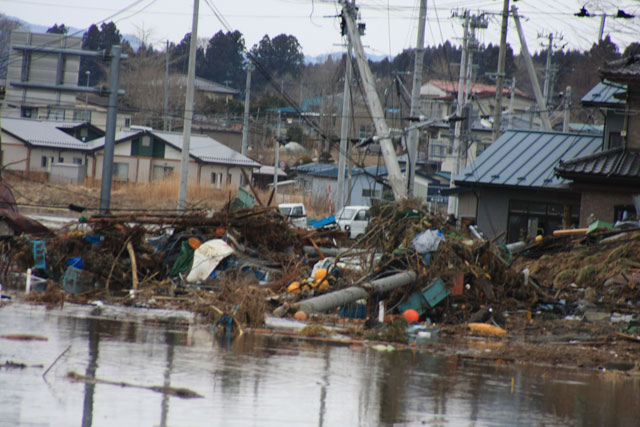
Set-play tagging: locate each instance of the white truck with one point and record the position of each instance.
(353, 220)
(295, 213)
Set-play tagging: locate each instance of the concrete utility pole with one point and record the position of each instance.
(245, 119)
(413, 137)
(344, 130)
(567, 109)
(188, 112)
(277, 147)
(110, 135)
(547, 71)
(511, 97)
(166, 88)
(497, 113)
(394, 174)
(452, 207)
(544, 116)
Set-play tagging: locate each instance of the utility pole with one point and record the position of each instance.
(511, 97)
(188, 112)
(110, 135)
(567, 109)
(414, 137)
(396, 181)
(166, 88)
(547, 71)
(277, 148)
(544, 116)
(344, 130)
(245, 119)
(452, 207)
(497, 112)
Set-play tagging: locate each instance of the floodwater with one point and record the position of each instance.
(262, 380)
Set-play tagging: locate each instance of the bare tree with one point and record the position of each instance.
(7, 25)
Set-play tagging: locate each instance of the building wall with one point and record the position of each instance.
(633, 125)
(601, 205)
(231, 175)
(14, 153)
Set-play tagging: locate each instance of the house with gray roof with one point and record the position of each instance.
(35, 145)
(145, 154)
(609, 181)
(512, 187)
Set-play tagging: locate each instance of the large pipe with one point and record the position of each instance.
(354, 293)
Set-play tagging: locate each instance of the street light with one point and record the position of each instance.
(86, 97)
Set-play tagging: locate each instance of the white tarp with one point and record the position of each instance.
(207, 257)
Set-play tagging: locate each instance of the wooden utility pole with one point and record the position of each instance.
(544, 116)
(188, 112)
(413, 136)
(497, 112)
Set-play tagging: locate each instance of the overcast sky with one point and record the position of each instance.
(391, 24)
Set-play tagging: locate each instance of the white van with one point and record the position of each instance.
(295, 213)
(353, 220)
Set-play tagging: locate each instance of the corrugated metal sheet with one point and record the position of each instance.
(527, 159)
(603, 93)
(201, 147)
(614, 163)
(42, 133)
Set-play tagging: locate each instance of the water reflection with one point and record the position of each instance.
(264, 380)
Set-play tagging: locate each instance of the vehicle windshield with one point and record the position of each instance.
(347, 213)
(285, 211)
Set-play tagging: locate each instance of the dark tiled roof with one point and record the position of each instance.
(622, 70)
(614, 164)
(526, 159)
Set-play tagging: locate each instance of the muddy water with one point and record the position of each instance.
(267, 381)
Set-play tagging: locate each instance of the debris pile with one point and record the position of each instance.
(236, 266)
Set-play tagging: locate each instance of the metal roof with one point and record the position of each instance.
(527, 159)
(615, 163)
(602, 95)
(43, 133)
(201, 147)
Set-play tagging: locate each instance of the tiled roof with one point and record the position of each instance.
(42, 133)
(622, 70)
(615, 163)
(527, 159)
(479, 89)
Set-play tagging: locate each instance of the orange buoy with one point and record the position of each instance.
(301, 316)
(411, 315)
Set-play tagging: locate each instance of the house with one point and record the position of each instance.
(320, 180)
(144, 154)
(31, 145)
(609, 181)
(263, 176)
(512, 186)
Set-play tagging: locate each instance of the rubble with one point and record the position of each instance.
(236, 266)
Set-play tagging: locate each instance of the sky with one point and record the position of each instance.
(391, 24)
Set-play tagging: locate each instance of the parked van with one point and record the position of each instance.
(353, 220)
(295, 212)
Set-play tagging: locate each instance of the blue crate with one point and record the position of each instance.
(428, 298)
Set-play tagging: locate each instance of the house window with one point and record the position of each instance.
(146, 141)
(161, 172)
(213, 177)
(528, 219)
(43, 161)
(120, 171)
(27, 112)
(368, 192)
(60, 159)
(624, 213)
(77, 160)
(228, 179)
(365, 131)
(127, 122)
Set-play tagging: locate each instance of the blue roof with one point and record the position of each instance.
(527, 159)
(603, 93)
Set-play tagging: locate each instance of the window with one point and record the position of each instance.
(365, 131)
(368, 192)
(161, 172)
(27, 112)
(127, 122)
(228, 179)
(362, 215)
(297, 210)
(43, 161)
(528, 219)
(77, 160)
(213, 177)
(146, 141)
(60, 159)
(219, 180)
(120, 171)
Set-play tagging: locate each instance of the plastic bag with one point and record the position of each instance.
(427, 241)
